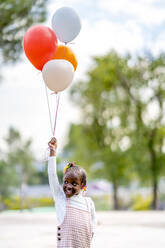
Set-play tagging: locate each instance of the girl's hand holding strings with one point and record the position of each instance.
(53, 146)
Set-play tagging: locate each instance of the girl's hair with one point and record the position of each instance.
(77, 170)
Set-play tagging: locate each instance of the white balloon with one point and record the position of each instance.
(66, 24)
(58, 74)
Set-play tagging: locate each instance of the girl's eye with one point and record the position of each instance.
(74, 184)
(66, 182)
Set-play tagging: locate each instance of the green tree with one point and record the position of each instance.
(20, 156)
(15, 17)
(147, 96)
(115, 103)
(18, 168)
(8, 180)
(103, 123)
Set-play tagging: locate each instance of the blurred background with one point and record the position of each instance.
(110, 121)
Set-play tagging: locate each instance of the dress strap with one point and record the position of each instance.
(87, 203)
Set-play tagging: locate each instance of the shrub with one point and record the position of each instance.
(140, 203)
(15, 204)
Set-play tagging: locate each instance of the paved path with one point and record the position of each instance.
(115, 230)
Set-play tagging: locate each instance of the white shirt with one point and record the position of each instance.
(59, 197)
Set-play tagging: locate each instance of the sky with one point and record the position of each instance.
(124, 25)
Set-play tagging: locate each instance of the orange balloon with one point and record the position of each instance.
(65, 52)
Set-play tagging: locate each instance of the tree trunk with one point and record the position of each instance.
(115, 196)
(153, 170)
(155, 194)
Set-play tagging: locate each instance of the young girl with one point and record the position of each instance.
(75, 213)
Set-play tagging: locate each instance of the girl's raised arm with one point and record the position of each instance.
(55, 187)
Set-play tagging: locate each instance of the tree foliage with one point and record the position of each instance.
(17, 166)
(15, 17)
(20, 156)
(120, 129)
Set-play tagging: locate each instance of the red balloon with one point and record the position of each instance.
(40, 45)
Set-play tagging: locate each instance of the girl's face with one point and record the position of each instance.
(71, 184)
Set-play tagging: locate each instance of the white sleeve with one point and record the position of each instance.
(93, 214)
(55, 187)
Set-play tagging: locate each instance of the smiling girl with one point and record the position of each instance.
(75, 213)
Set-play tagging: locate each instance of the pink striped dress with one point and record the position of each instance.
(76, 230)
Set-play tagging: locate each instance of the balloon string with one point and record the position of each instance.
(49, 109)
(57, 104)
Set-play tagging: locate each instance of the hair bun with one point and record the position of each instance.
(71, 164)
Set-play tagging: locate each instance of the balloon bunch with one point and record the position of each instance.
(57, 62)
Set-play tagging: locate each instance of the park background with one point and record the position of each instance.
(110, 121)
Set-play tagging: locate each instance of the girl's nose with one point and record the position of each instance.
(69, 186)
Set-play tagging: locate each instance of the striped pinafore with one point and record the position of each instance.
(76, 229)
